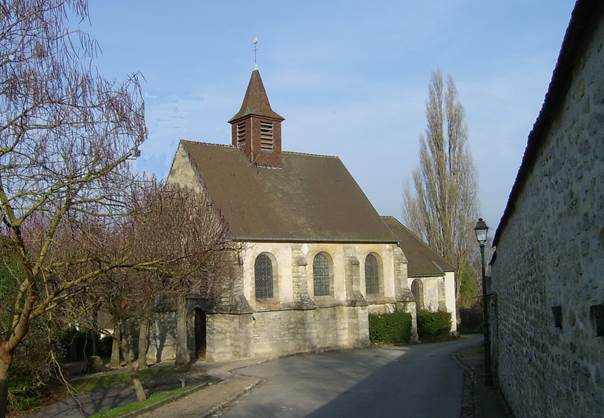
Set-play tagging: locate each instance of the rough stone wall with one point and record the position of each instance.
(275, 333)
(450, 300)
(551, 254)
(295, 320)
(162, 338)
(294, 271)
(431, 292)
(182, 171)
(439, 294)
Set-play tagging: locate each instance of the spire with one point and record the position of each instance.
(256, 128)
(256, 101)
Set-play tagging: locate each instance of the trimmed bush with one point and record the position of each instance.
(392, 328)
(433, 326)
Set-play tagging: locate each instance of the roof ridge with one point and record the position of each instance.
(282, 152)
(309, 154)
(208, 143)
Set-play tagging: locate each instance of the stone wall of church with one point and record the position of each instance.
(295, 320)
(275, 333)
(182, 171)
(162, 338)
(438, 294)
(293, 269)
(551, 256)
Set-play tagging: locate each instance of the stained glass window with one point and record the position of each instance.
(320, 271)
(372, 279)
(263, 270)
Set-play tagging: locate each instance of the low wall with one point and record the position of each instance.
(274, 333)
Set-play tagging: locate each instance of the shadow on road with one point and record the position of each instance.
(413, 381)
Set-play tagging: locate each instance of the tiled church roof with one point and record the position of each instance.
(311, 198)
(422, 260)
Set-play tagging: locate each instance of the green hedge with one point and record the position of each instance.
(393, 328)
(433, 325)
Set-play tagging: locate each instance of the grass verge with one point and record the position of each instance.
(154, 399)
(105, 381)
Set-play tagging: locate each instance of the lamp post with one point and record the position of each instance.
(481, 229)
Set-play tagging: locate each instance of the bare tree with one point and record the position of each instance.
(442, 207)
(66, 135)
(177, 243)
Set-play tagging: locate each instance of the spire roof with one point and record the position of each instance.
(256, 101)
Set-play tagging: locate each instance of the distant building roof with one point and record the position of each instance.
(422, 260)
(584, 19)
(255, 101)
(311, 198)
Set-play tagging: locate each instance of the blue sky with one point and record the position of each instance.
(349, 77)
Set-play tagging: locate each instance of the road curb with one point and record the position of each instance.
(164, 402)
(468, 401)
(228, 401)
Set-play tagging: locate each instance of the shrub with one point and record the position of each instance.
(433, 326)
(393, 328)
(471, 319)
(24, 394)
(32, 367)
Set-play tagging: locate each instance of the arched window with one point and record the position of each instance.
(320, 274)
(263, 270)
(417, 288)
(372, 275)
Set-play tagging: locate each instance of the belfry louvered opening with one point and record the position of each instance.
(241, 131)
(241, 134)
(266, 136)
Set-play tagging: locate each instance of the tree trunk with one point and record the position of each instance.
(5, 361)
(115, 346)
(138, 386)
(143, 343)
(134, 379)
(90, 339)
(182, 354)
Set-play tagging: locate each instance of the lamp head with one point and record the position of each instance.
(482, 230)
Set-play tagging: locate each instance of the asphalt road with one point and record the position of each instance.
(415, 381)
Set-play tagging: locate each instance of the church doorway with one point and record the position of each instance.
(200, 333)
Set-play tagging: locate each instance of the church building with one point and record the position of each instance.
(316, 257)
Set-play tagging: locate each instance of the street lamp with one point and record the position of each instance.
(482, 230)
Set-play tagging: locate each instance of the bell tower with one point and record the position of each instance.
(256, 128)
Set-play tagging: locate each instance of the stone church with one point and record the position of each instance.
(316, 256)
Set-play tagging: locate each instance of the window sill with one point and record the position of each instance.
(267, 302)
(324, 300)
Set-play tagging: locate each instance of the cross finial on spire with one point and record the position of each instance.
(255, 42)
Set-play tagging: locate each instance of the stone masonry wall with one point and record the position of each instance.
(296, 320)
(275, 333)
(551, 254)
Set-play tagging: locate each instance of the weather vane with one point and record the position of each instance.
(255, 42)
